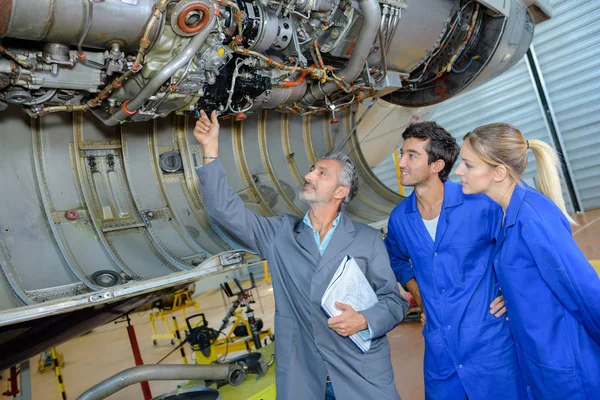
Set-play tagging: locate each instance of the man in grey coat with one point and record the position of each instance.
(314, 355)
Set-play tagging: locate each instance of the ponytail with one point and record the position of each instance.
(548, 178)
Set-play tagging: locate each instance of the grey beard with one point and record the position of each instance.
(304, 197)
(310, 199)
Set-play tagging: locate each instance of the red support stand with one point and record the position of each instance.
(138, 358)
(13, 386)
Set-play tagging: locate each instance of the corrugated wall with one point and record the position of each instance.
(568, 51)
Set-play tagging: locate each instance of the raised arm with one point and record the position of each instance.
(222, 203)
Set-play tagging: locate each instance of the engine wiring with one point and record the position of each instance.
(308, 62)
(447, 34)
(322, 73)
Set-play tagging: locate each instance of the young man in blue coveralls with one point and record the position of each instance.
(440, 243)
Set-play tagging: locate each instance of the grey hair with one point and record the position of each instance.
(348, 175)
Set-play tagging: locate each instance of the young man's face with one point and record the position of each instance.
(321, 184)
(475, 175)
(414, 167)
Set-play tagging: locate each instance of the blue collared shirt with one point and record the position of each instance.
(322, 245)
(366, 333)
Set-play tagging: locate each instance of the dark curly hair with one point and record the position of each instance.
(441, 145)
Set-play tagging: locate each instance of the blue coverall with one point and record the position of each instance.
(552, 297)
(468, 351)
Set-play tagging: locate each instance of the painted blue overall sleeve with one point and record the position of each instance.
(566, 271)
(399, 257)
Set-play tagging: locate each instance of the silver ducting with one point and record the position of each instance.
(363, 44)
(63, 21)
(232, 374)
(242, 56)
(179, 61)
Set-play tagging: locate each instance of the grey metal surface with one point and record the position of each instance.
(72, 300)
(48, 209)
(412, 41)
(511, 45)
(132, 217)
(78, 77)
(63, 20)
(25, 230)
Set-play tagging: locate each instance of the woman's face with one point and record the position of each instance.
(476, 176)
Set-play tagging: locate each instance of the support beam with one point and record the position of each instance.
(552, 125)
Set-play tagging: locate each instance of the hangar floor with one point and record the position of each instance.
(106, 350)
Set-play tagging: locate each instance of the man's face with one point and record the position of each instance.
(321, 182)
(475, 175)
(414, 167)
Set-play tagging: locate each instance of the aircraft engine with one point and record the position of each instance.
(136, 60)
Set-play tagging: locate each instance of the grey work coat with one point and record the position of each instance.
(307, 350)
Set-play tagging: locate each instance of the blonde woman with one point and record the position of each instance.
(551, 292)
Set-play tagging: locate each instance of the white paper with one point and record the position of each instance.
(349, 286)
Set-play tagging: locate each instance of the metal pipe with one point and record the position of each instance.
(172, 66)
(6, 66)
(68, 108)
(383, 58)
(159, 8)
(42, 99)
(390, 23)
(366, 37)
(86, 27)
(383, 26)
(238, 15)
(12, 55)
(158, 102)
(232, 373)
(159, 79)
(397, 19)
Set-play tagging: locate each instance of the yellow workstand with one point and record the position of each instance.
(251, 389)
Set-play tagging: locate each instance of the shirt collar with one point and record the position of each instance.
(307, 222)
(453, 197)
